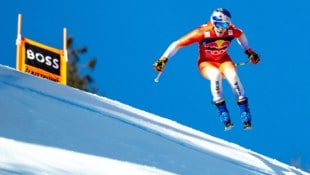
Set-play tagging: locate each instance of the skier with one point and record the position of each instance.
(214, 63)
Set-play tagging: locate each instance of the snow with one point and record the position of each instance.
(48, 128)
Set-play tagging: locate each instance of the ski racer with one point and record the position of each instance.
(214, 63)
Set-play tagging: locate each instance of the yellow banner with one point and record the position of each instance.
(42, 61)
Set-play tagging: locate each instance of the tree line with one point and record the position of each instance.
(79, 74)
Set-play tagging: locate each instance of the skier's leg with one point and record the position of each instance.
(211, 72)
(245, 114)
(224, 114)
(229, 70)
(230, 73)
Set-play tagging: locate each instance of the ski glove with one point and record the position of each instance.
(160, 64)
(254, 57)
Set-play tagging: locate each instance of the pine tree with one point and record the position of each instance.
(78, 75)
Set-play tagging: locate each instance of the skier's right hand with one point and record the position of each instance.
(160, 64)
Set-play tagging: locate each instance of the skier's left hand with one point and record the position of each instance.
(254, 57)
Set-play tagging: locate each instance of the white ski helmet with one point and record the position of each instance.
(220, 18)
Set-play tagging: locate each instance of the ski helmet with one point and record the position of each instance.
(221, 18)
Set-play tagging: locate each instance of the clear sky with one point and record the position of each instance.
(126, 37)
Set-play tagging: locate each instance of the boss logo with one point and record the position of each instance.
(42, 58)
(39, 57)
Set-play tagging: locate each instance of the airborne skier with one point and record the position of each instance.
(214, 63)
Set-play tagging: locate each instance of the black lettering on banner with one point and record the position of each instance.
(42, 58)
(41, 75)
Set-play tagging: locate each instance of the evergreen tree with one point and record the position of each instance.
(78, 75)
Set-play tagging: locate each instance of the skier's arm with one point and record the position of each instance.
(160, 64)
(243, 41)
(187, 39)
(171, 50)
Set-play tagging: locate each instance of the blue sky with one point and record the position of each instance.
(127, 37)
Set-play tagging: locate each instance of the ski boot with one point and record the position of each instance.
(224, 115)
(245, 114)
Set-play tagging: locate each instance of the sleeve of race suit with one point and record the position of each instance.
(194, 36)
(243, 41)
(171, 50)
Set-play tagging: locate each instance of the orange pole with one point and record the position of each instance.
(64, 65)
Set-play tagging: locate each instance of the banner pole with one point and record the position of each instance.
(65, 47)
(65, 62)
(18, 41)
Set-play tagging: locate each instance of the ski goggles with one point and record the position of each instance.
(221, 25)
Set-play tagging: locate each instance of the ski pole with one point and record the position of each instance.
(243, 63)
(157, 77)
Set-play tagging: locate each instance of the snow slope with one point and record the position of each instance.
(48, 128)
